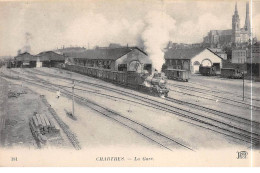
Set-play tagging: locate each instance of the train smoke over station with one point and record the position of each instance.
(27, 44)
(153, 32)
(156, 35)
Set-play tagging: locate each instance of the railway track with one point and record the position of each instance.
(71, 136)
(214, 97)
(219, 125)
(220, 113)
(215, 91)
(153, 135)
(207, 91)
(218, 91)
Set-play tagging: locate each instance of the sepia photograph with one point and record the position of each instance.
(129, 83)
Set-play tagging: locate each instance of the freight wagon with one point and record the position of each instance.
(207, 70)
(231, 73)
(178, 74)
(154, 84)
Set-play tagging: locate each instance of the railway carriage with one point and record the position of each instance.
(154, 84)
(91, 72)
(85, 70)
(178, 74)
(94, 70)
(207, 70)
(121, 77)
(104, 74)
(88, 71)
(231, 73)
(99, 73)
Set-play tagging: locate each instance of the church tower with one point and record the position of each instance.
(247, 21)
(235, 27)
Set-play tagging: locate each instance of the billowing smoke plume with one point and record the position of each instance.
(27, 45)
(152, 32)
(156, 35)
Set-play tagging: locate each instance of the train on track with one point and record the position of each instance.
(231, 73)
(154, 84)
(225, 72)
(207, 70)
(178, 74)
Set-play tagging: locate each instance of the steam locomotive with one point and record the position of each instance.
(153, 84)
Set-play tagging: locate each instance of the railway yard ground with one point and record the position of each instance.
(204, 113)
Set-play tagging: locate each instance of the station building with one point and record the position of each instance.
(191, 59)
(49, 59)
(43, 59)
(25, 60)
(239, 55)
(118, 59)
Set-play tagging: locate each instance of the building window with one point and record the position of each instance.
(196, 63)
(122, 67)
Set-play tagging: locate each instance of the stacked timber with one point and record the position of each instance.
(72, 137)
(40, 125)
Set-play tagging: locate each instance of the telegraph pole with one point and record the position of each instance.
(243, 86)
(73, 97)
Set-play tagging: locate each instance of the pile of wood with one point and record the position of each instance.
(40, 125)
(15, 94)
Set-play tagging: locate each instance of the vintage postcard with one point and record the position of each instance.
(139, 83)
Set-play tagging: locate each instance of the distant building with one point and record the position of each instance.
(43, 59)
(64, 50)
(25, 60)
(236, 35)
(114, 45)
(253, 61)
(239, 56)
(219, 52)
(172, 45)
(191, 59)
(49, 59)
(255, 50)
(119, 59)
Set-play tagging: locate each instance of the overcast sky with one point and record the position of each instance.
(52, 24)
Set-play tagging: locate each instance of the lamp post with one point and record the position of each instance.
(73, 98)
(243, 85)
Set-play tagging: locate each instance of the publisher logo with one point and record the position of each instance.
(242, 154)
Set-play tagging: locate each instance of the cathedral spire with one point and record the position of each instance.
(247, 20)
(235, 27)
(236, 9)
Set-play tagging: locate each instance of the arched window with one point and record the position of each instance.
(196, 63)
(134, 66)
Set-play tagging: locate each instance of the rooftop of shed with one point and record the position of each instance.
(25, 57)
(182, 53)
(185, 53)
(103, 53)
(50, 55)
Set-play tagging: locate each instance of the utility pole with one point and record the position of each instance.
(243, 86)
(73, 98)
